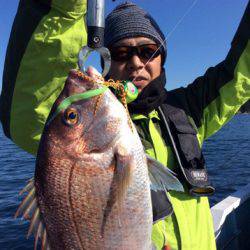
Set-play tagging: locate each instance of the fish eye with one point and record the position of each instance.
(71, 116)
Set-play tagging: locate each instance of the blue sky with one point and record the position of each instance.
(201, 40)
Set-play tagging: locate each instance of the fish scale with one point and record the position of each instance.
(84, 186)
(91, 188)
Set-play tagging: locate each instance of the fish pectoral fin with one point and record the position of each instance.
(161, 177)
(120, 183)
(30, 210)
(122, 172)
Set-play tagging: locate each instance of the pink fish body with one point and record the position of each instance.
(91, 180)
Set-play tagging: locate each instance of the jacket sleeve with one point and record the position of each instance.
(45, 39)
(212, 99)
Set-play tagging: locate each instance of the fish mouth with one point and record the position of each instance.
(79, 82)
(89, 80)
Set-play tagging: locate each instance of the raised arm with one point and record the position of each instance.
(45, 39)
(214, 98)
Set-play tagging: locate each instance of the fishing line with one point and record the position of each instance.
(169, 34)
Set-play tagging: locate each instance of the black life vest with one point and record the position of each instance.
(177, 129)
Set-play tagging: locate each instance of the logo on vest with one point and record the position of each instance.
(199, 175)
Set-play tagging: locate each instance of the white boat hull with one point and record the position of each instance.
(232, 221)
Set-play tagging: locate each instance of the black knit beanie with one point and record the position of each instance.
(128, 20)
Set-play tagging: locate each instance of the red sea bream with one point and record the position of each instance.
(91, 188)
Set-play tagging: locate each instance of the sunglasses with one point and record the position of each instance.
(125, 53)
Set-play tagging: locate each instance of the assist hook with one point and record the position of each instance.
(95, 24)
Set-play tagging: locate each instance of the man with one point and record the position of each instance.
(205, 105)
(192, 114)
